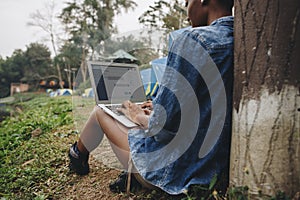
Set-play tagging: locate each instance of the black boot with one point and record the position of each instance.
(78, 162)
(120, 184)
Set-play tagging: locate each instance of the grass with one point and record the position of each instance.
(33, 148)
(33, 160)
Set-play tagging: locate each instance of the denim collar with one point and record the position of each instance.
(228, 20)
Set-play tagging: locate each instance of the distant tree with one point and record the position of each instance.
(90, 22)
(69, 60)
(16, 64)
(136, 47)
(39, 62)
(28, 66)
(165, 14)
(3, 87)
(47, 20)
(127, 43)
(11, 70)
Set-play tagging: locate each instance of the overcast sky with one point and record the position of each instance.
(16, 34)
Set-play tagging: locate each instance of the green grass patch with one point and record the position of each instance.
(33, 153)
(33, 148)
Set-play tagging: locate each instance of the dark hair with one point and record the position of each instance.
(227, 4)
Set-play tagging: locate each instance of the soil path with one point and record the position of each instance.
(103, 170)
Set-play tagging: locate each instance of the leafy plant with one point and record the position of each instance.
(238, 193)
(31, 154)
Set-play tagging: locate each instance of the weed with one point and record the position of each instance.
(32, 157)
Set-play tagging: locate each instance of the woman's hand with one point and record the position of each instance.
(147, 107)
(136, 113)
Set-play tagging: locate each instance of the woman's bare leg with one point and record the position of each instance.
(91, 134)
(100, 123)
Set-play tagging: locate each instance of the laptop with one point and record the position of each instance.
(114, 83)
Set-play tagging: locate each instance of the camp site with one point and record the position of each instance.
(227, 100)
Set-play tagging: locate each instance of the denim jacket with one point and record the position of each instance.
(188, 140)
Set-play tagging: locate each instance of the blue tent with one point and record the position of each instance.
(149, 82)
(146, 77)
(64, 92)
(89, 92)
(61, 92)
(158, 67)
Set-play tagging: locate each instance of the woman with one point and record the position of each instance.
(184, 139)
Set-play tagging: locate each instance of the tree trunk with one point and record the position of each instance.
(266, 117)
(83, 65)
(57, 65)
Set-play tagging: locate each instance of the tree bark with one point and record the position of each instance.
(265, 151)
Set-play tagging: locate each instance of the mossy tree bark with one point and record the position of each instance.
(266, 117)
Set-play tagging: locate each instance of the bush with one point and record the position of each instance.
(30, 152)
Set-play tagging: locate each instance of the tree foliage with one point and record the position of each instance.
(48, 21)
(11, 71)
(169, 15)
(39, 61)
(137, 47)
(127, 43)
(89, 22)
(26, 66)
(69, 60)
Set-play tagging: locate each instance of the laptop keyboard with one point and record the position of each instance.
(114, 109)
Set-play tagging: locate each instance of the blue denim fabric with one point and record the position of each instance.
(186, 111)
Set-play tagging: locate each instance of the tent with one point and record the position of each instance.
(53, 94)
(149, 82)
(158, 67)
(89, 92)
(64, 92)
(61, 92)
(146, 77)
(122, 56)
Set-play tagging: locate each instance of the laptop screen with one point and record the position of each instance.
(117, 83)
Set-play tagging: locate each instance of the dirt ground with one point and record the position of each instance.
(92, 186)
(104, 169)
(95, 186)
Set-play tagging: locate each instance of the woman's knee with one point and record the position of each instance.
(97, 109)
(102, 117)
(98, 112)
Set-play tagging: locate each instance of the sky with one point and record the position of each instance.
(15, 15)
